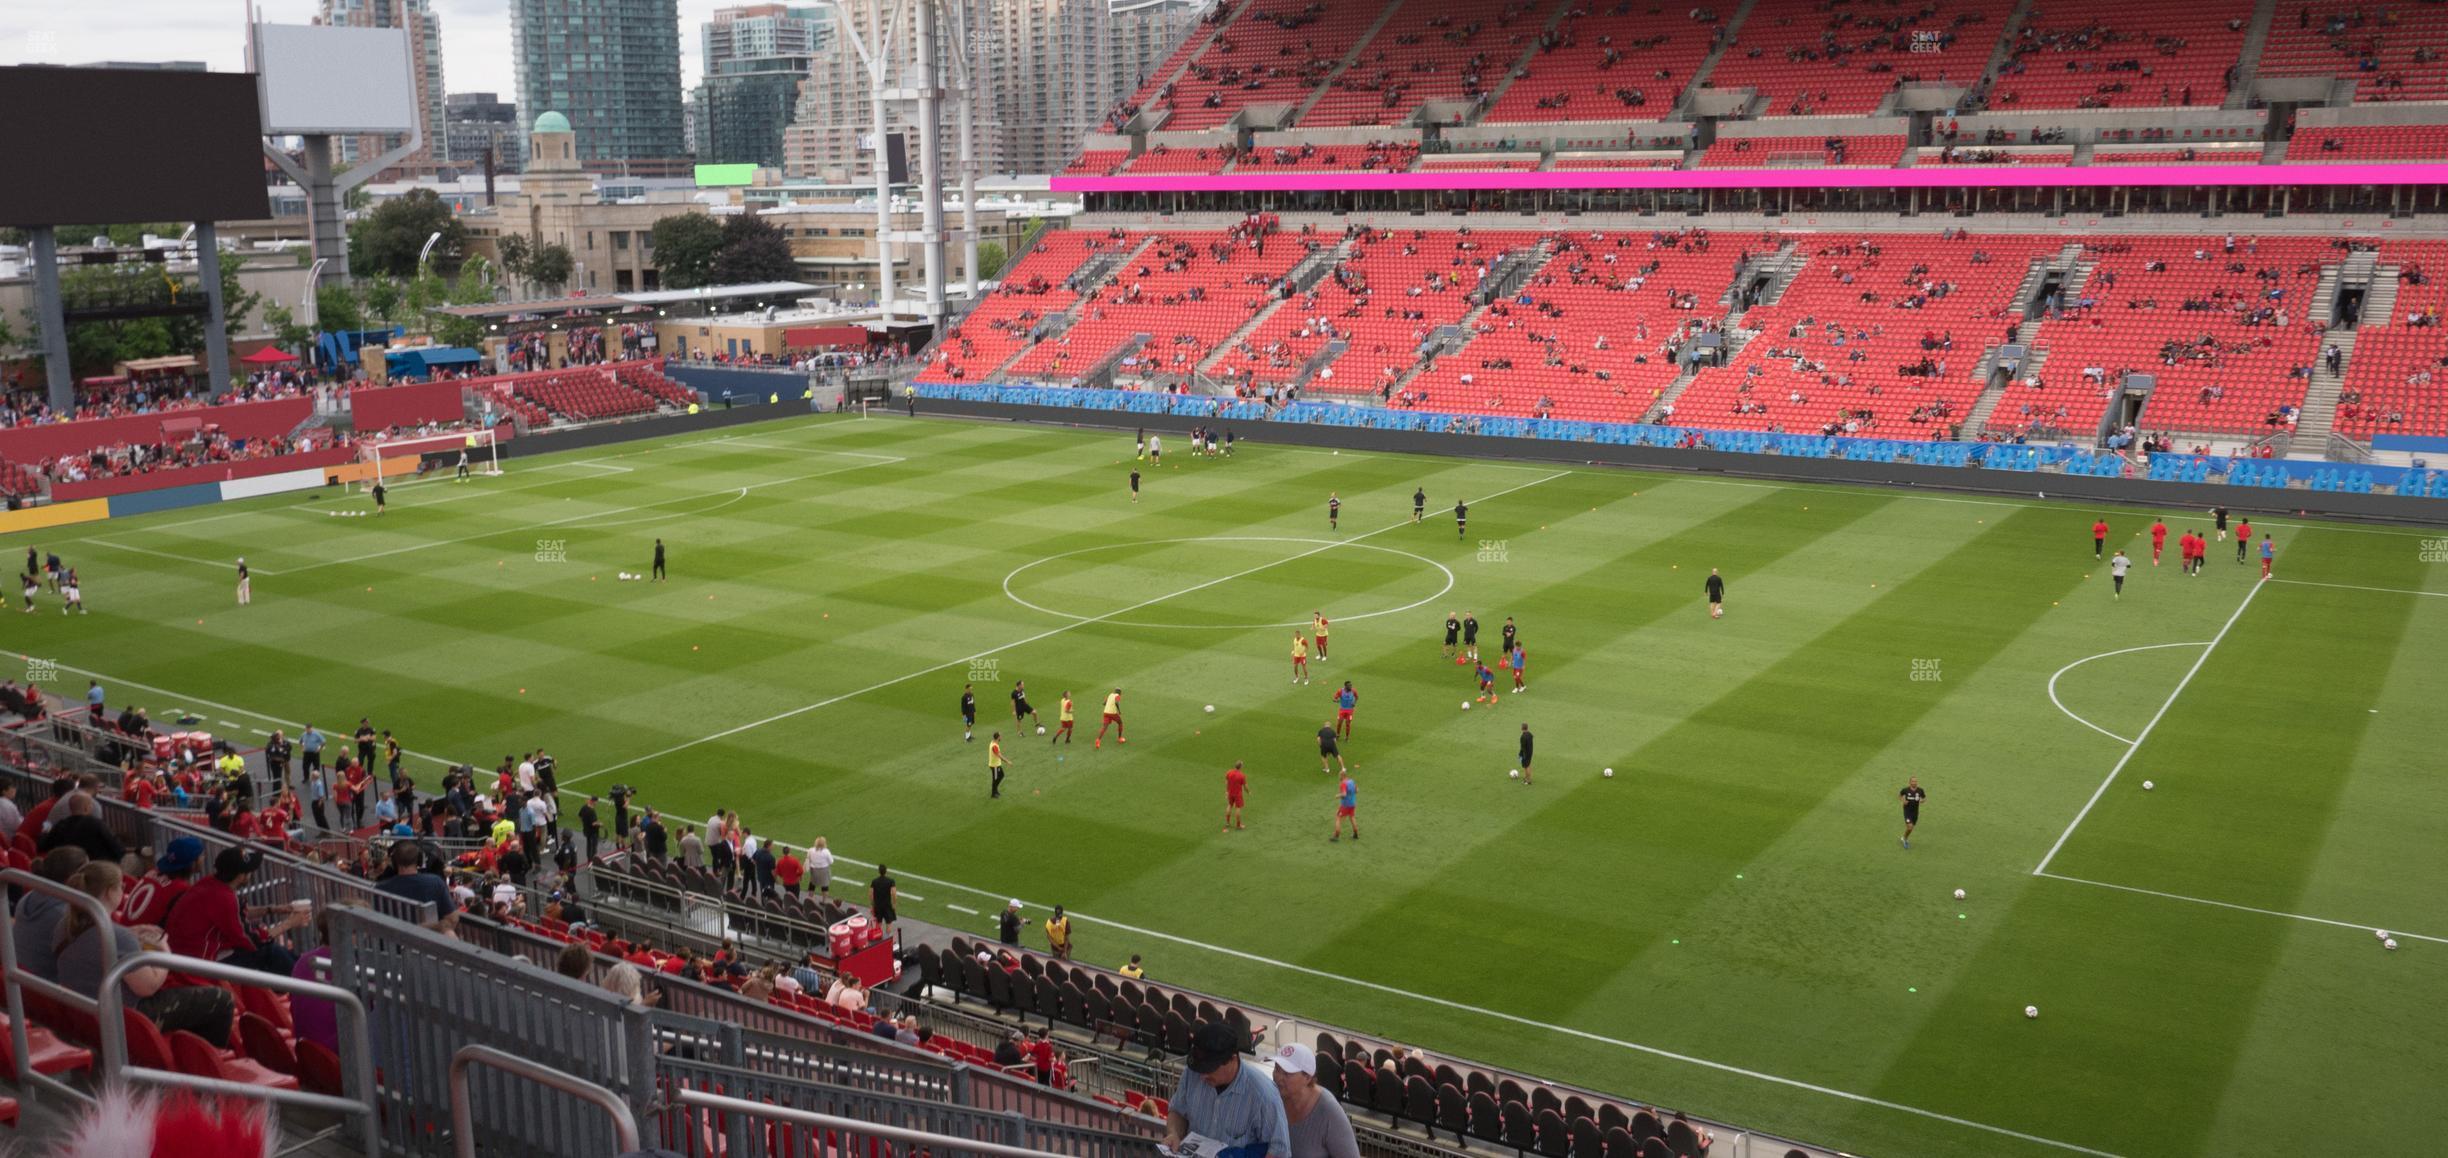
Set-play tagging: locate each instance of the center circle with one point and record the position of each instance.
(1323, 546)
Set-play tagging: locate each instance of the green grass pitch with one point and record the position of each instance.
(1728, 925)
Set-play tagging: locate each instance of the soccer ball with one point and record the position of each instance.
(2391, 943)
(1959, 894)
(1515, 774)
(1041, 729)
(1466, 705)
(1211, 709)
(1716, 612)
(2031, 1011)
(2380, 934)
(1609, 773)
(2147, 786)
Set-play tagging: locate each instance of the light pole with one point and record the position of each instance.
(429, 244)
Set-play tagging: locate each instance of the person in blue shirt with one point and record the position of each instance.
(1345, 701)
(1222, 1097)
(1347, 807)
(93, 699)
(310, 742)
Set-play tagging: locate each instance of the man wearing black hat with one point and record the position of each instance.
(209, 922)
(1223, 1098)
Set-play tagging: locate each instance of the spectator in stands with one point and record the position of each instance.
(1008, 928)
(173, 873)
(1134, 970)
(625, 982)
(39, 914)
(847, 994)
(407, 878)
(199, 1009)
(210, 923)
(312, 1018)
(788, 870)
(692, 848)
(81, 827)
(1219, 1097)
(762, 864)
(575, 961)
(10, 818)
(1319, 1127)
(882, 897)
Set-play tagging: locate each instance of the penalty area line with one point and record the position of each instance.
(2240, 908)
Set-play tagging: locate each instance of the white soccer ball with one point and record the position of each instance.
(1466, 705)
(1515, 774)
(1211, 709)
(2381, 934)
(2031, 1011)
(2391, 943)
(1959, 894)
(1609, 773)
(1041, 729)
(2147, 786)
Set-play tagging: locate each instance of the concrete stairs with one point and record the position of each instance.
(2006, 40)
(1140, 125)
(1986, 405)
(1708, 64)
(1304, 275)
(2248, 61)
(1453, 339)
(2320, 404)
(1349, 59)
(2380, 304)
(1519, 63)
(1092, 275)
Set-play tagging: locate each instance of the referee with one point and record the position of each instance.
(1912, 796)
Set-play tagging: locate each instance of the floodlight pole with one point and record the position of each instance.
(930, 162)
(964, 65)
(51, 315)
(216, 321)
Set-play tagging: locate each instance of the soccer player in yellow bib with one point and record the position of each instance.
(1113, 719)
(1300, 658)
(1062, 722)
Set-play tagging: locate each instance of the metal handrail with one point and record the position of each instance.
(463, 1114)
(938, 1143)
(20, 1048)
(356, 1036)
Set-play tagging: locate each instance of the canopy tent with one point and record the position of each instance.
(157, 365)
(420, 361)
(268, 356)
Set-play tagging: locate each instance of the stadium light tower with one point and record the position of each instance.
(321, 81)
(903, 71)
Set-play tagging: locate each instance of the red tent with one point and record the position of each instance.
(268, 356)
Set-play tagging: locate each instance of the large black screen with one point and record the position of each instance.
(98, 146)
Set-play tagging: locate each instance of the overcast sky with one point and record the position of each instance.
(475, 34)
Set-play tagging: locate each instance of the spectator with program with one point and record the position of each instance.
(1221, 1097)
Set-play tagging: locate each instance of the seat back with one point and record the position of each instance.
(1519, 1133)
(1486, 1119)
(1554, 1139)
(263, 1003)
(147, 1047)
(264, 1043)
(1360, 1084)
(1587, 1141)
(1419, 1100)
(1389, 1095)
(194, 1056)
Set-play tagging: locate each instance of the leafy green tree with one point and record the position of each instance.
(991, 260)
(381, 298)
(550, 267)
(287, 332)
(336, 309)
(685, 245)
(753, 251)
(515, 251)
(387, 240)
(472, 287)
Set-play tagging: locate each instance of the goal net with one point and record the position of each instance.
(397, 461)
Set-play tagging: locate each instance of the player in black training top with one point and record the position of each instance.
(1453, 631)
(1525, 754)
(1912, 796)
(1329, 750)
(1509, 632)
(1134, 486)
(1461, 518)
(968, 713)
(1470, 635)
(1419, 504)
(1334, 510)
(1020, 705)
(658, 562)
(1716, 594)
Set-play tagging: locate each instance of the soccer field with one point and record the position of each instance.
(1728, 925)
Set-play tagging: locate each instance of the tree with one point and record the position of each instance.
(515, 252)
(474, 286)
(753, 251)
(336, 309)
(387, 240)
(685, 245)
(381, 298)
(991, 259)
(550, 267)
(287, 332)
(237, 301)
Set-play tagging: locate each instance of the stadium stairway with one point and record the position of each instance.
(2248, 59)
(1326, 85)
(1311, 270)
(1094, 274)
(2008, 33)
(2320, 404)
(1518, 276)
(1179, 66)
(1520, 65)
(1708, 64)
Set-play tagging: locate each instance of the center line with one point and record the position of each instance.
(1047, 634)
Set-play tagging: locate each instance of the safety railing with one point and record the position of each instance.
(357, 1058)
(19, 982)
(794, 1131)
(957, 1127)
(463, 1115)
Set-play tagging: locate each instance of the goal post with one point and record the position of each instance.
(395, 461)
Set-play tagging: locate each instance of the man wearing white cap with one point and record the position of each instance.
(1320, 1129)
(1010, 927)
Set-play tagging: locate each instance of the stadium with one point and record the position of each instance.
(1893, 606)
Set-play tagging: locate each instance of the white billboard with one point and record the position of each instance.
(321, 80)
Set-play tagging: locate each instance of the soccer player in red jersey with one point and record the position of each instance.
(1236, 790)
(2099, 537)
(2158, 540)
(2243, 537)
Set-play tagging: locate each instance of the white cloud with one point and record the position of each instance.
(475, 35)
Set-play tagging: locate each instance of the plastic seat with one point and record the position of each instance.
(266, 1044)
(193, 1055)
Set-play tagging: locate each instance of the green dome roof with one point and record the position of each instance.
(552, 123)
